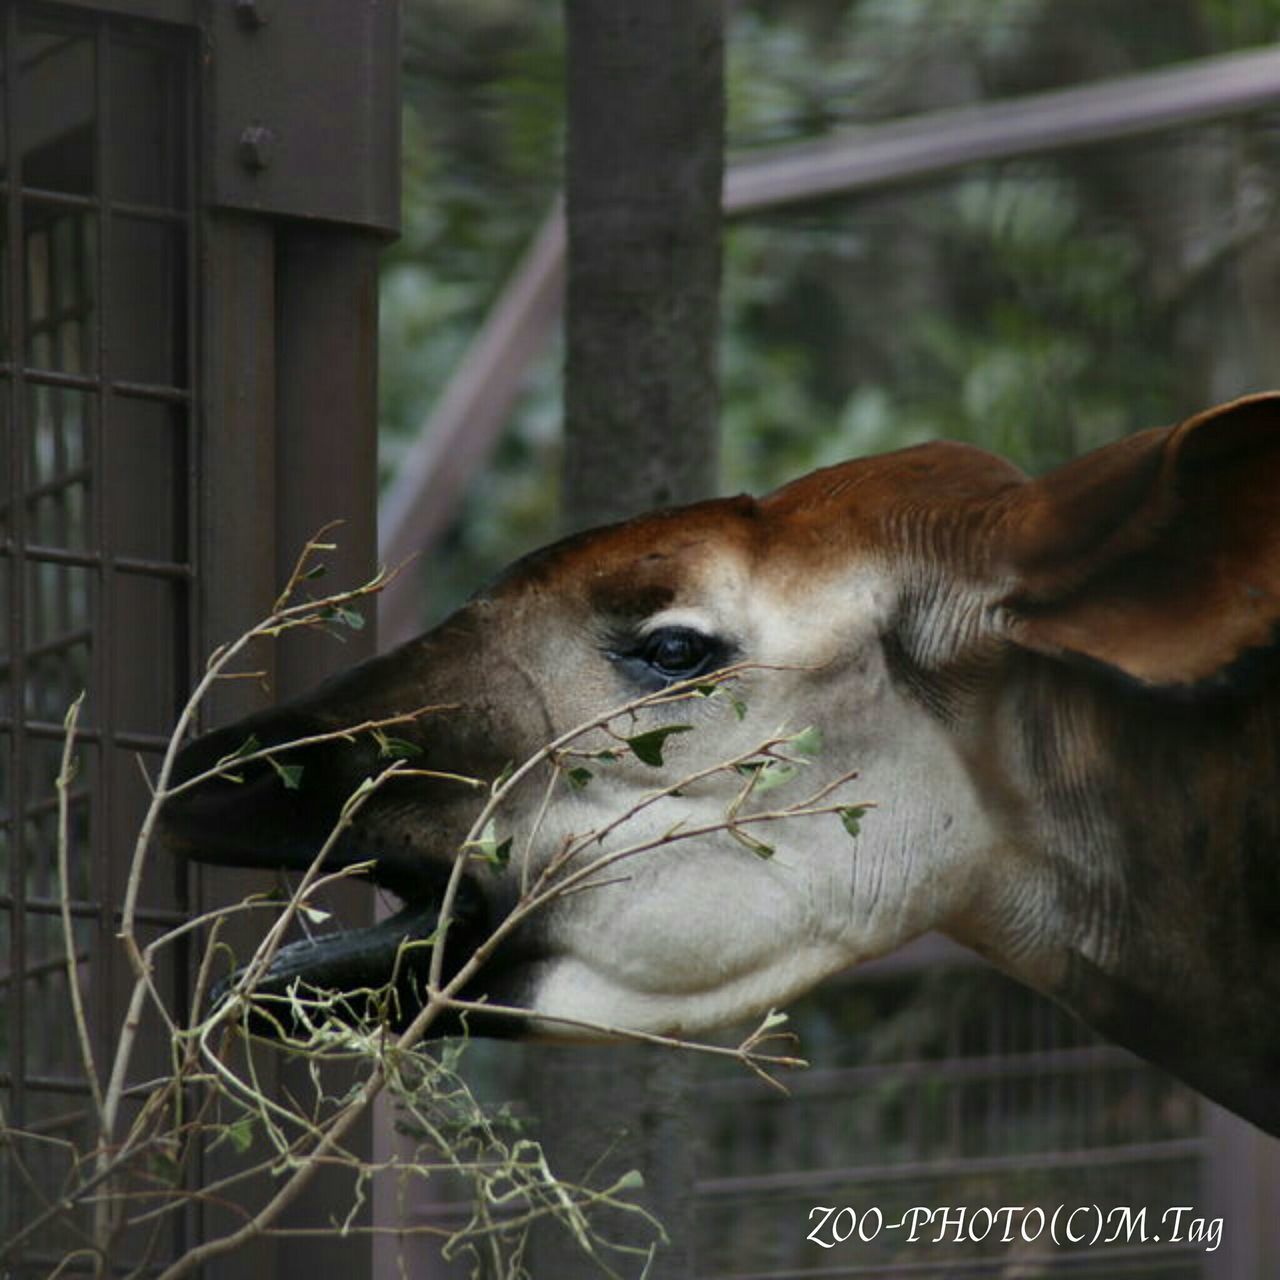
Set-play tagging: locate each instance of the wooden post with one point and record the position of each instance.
(645, 169)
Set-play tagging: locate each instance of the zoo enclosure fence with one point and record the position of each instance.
(187, 392)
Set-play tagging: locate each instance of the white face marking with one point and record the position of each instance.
(703, 620)
(701, 931)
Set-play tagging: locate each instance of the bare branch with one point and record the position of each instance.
(66, 774)
(215, 1095)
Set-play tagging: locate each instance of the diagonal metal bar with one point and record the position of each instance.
(462, 430)
(925, 145)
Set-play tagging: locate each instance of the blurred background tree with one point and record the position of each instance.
(1037, 306)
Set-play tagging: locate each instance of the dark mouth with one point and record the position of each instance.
(277, 814)
(379, 973)
(370, 976)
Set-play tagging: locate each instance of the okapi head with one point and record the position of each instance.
(1062, 696)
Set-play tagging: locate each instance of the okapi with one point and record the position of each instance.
(1062, 695)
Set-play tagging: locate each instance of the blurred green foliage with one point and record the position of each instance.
(1038, 307)
(483, 139)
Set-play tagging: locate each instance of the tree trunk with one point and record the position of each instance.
(645, 166)
(645, 169)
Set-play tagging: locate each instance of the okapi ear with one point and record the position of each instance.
(1159, 555)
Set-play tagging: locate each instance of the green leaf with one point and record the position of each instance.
(851, 816)
(240, 1132)
(647, 747)
(720, 690)
(352, 618)
(748, 841)
(774, 1018)
(488, 848)
(73, 711)
(164, 1167)
(353, 802)
(768, 774)
(808, 742)
(289, 774)
(400, 748)
(246, 748)
(503, 778)
(774, 774)
(578, 777)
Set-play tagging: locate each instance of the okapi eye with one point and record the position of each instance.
(678, 652)
(667, 655)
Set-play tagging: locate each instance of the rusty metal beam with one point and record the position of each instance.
(303, 116)
(924, 146)
(461, 431)
(457, 438)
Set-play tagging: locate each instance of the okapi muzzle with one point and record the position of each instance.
(279, 812)
(1061, 695)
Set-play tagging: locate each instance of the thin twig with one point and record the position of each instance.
(744, 1052)
(307, 1133)
(66, 773)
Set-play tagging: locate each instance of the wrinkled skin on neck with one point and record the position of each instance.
(1161, 838)
(1062, 697)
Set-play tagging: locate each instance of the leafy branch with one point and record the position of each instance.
(135, 1177)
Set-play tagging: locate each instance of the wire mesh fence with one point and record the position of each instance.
(96, 505)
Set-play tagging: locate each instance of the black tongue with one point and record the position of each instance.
(361, 965)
